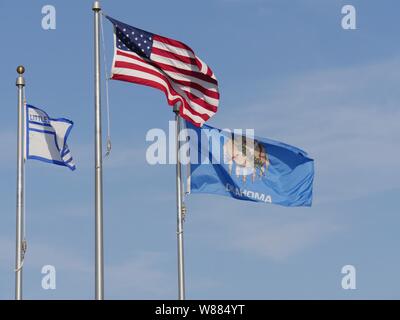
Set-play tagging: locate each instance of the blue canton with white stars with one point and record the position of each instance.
(129, 38)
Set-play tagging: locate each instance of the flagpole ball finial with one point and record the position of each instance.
(96, 6)
(21, 69)
(20, 80)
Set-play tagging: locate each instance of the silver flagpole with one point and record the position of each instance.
(20, 184)
(99, 269)
(181, 265)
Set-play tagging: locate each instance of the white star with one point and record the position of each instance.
(119, 40)
(136, 39)
(150, 38)
(124, 45)
(142, 50)
(133, 32)
(148, 48)
(139, 44)
(141, 36)
(127, 35)
(145, 41)
(124, 30)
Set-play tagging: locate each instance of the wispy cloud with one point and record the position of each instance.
(270, 232)
(39, 253)
(347, 119)
(72, 269)
(279, 241)
(125, 156)
(141, 276)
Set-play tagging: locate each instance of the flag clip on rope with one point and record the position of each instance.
(24, 247)
(184, 212)
(20, 267)
(108, 146)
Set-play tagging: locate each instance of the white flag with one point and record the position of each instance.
(46, 138)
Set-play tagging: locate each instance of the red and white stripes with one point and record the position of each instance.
(174, 69)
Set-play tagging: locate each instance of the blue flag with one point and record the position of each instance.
(46, 138)
(249, 168)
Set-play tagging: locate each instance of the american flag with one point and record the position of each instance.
(168, 65)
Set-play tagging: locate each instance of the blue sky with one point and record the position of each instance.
(287, 69)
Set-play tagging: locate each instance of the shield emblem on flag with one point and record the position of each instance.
(246, 156)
